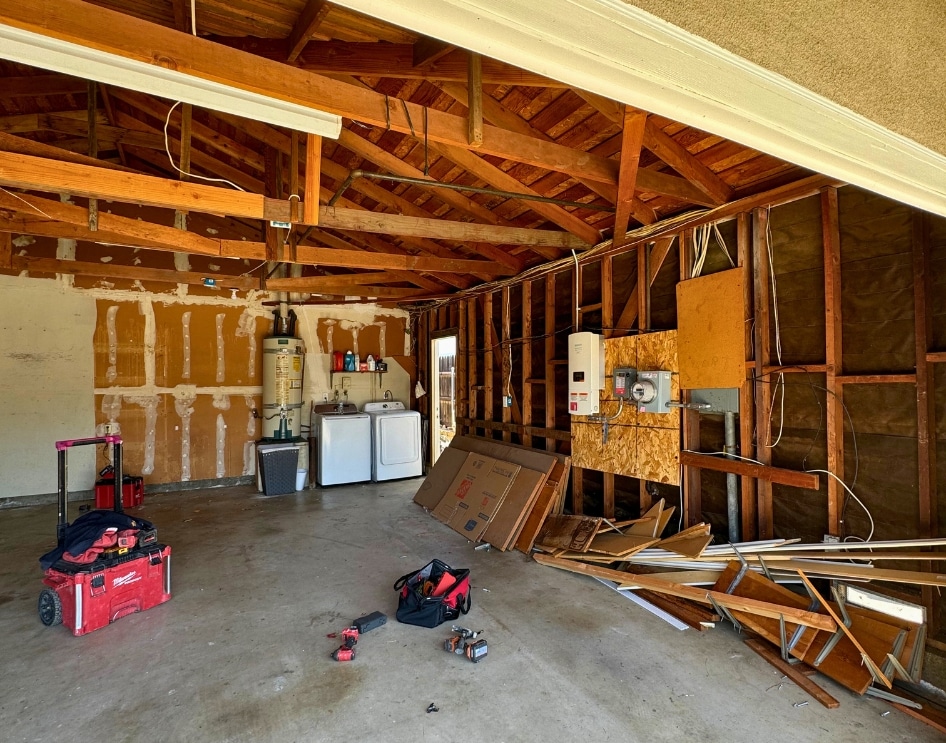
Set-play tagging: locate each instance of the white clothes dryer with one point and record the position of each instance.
(395, 441)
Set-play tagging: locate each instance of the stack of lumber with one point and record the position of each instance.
(495, 492)
(863, 649)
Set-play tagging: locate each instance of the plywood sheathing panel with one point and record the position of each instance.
(712, 336)
(618, 352)
(622, 454)
(618, 455)
(658, 455)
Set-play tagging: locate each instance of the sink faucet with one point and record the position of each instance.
(388, 395)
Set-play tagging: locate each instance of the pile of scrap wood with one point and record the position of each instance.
(491, 491)
(863, 640)
(594, 539)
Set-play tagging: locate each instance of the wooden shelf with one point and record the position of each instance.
(332, 373)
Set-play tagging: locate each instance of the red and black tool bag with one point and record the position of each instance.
(433, 595)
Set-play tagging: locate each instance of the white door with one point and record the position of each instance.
(443, 425)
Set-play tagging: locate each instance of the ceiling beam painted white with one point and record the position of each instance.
(616, 50)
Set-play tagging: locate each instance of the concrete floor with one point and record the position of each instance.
(240, 652)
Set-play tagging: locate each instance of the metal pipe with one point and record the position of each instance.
(63, 495)
(732, 488)
(119, 476)
(458, 187)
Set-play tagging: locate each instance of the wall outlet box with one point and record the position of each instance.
(831, 539)
(507, 401)
(325, 397)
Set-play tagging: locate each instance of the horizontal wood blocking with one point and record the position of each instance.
(876, 379)
(548, 433)
(778, 475)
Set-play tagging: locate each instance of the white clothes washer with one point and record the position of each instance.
(395, 441)
(343, 446)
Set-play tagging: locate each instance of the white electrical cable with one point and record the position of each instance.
(577, 306)
(778, 334)
(31, 206)
(194, 17)
(167, 149)
(727, 454)
(825, 472)
(722, 244)
(851, 493)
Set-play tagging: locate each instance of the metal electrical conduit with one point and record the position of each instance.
(457, 187)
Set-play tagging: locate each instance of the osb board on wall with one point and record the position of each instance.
(658, 454)
(118, 344)
(623, 454)
(711, 321)
(618, 455)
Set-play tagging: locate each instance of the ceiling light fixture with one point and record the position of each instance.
(45, 52)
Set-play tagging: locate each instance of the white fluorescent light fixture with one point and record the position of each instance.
(53, 54)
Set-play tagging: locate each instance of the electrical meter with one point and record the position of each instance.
(651, 391)
(585, 373)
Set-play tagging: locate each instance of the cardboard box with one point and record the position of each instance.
(435, 485)
(475, 494)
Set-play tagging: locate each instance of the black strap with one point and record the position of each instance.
(469, 603)
(402, 581)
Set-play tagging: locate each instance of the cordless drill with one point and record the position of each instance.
(347, 649)
(464, 642)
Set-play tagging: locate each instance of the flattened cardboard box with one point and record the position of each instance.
(436, 485)
(475, 494)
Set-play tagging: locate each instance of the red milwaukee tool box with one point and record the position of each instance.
(133, 491)
(106, 564)
(93, 596)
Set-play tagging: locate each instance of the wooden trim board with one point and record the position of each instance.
(700, 595)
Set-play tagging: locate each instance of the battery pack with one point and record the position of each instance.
(369, 622)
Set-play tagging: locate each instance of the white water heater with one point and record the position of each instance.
(585, 373)
(283, 365)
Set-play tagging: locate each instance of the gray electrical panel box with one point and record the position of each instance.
(651, 391)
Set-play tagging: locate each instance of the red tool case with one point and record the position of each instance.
(133, 491)
(93, 596)
(87, 597)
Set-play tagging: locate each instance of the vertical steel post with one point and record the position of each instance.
(732, 489)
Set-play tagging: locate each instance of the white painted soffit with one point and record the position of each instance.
(621, 52)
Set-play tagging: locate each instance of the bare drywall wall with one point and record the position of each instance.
(46, 382)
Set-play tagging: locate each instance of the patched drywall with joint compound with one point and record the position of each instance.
(168, 371)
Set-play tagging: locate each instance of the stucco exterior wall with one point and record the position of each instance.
(883, 60)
